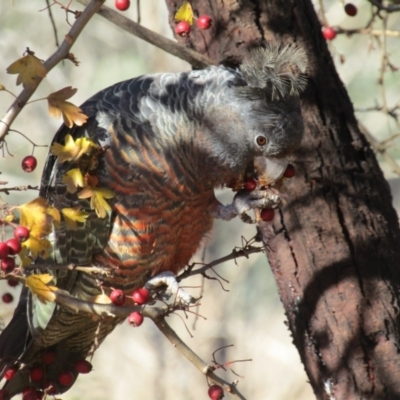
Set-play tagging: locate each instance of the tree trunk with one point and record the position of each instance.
(335, 246)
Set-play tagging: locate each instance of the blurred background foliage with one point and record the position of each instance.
(141, 363)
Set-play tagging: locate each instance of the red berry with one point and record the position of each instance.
(141, 296)
(7, 265)
(290, 171)
(204, 22)
(5, 394)
(267, 214)
(12, 282)
(29, 393)
(30, 396)
(122, 5)
(117, 296)
(215, 392)
(350, 9)
(29, 163)
(21, 233)
(329, 33)
(14, 246)
(7, 298)
(250, 184)
(49, 357)
(183, 28)
(66, 378)
(3, 250)
(10, 373)
(36, 374)
(39, 394)
(83, 366)
(135, 319)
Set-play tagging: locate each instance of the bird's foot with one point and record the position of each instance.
(249, 200)
(173, 290)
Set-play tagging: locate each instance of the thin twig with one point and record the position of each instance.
(192, 57)
(60, 54)
(29, 140)
(53, 24)
(389, 8)
(244, 252)
(380, 148)
(18, 189)
(138, 11)
(367, 31)
(201, 365)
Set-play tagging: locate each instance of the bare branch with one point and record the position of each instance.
(243, 252)
(192, 57)
(201, 365)
(367, 31)
(389, 8)
(109, 310)
(18, 188)
(60, 54)
(53, 24)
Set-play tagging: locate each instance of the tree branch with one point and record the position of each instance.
(197, 60)
(109, 310)
(367, 31)
(243, 252)
(60, 54)
(389, 9)
(156, 314)
(201, 365)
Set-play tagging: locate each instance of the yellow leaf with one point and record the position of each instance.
(9, 218)
(100, 299)
(59, 106)
(29, 69)
(38, 216)
(97, 199)
(38, 285)
(2, 87)
(73, 178)
(54, 213)
(25, 260)
(37, 247)
(73, 215)
(73, 149)
(185, 13)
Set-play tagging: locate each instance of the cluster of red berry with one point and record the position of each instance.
(329, 32)
(183, 28)
(37, 376)
(267, 214)
(140, 297)
(10, 248)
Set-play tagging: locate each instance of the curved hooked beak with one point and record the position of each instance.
(270, 169)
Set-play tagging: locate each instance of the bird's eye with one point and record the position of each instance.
(261, 140)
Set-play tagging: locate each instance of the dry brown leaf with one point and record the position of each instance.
(29, 69)
(58, 106)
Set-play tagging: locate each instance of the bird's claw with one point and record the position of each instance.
(246, 201)
(168, 279)
(256, 199)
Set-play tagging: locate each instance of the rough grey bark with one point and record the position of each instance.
(335, 247)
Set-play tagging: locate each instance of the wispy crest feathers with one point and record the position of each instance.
(276, 69)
